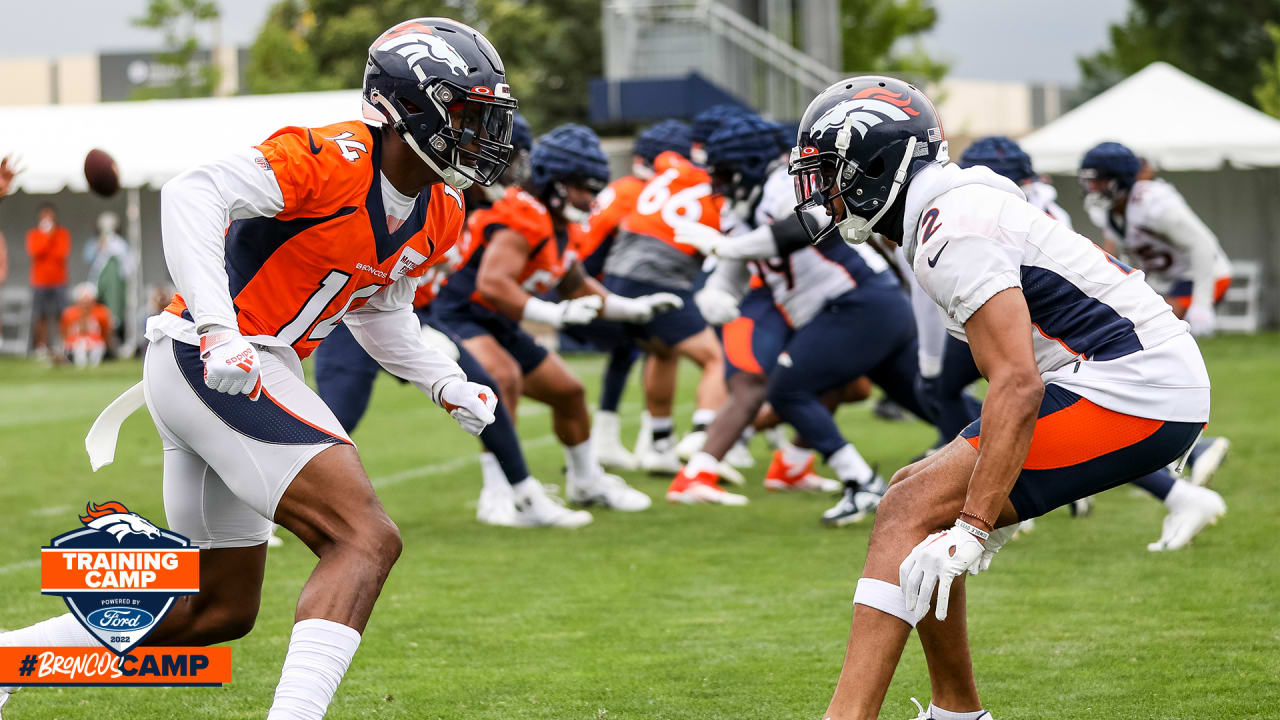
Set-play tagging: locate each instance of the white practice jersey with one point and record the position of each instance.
(803, 282)
(1098, 329)
(1045, 198)
(1164, 237)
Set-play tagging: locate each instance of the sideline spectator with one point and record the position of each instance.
(8, 170)
(86, 327)
(49, 245)
(110, 267)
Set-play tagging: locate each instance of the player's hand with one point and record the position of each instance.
(699, 236)
(992, 545)
(471, 404)
(639, 309)
(231, 364)
(578, 311)
(1202, 320)
(717, 306)
(936, 561)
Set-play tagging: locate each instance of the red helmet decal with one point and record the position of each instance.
(893, 98)
(481, 90)
(404, 27)
(808, 150)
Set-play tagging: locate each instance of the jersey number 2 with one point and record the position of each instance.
(332, 284)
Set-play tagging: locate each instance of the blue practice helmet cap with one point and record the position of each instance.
(668, 135)
(1111, 161)
(569, 153)
(1002, 155)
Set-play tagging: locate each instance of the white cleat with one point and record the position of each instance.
(606, 439)
(608, 490)
(730, 474)
(924, 714)
(535, 508)
(740, 456)
(274, 540)
(1208, 462)
(691, 445)
(661, 458)
(644, 438)
(1193, 510)
(497, 505)
(855, 504)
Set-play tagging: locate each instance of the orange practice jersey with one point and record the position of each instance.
(680, 192)
(328, 251)
(92, 325)
(591, 244)
(521, 212)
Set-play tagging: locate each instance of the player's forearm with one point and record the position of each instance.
(394, 339)
(730, 276)
(1008, 422)
(504, 293)
(193, 222)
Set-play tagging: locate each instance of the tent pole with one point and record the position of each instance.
(133, 297)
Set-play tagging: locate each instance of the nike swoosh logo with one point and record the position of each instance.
(315, 149)
(934, 260)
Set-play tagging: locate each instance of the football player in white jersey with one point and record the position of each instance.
(1093, 381)
(821, 317)
(1152, 223)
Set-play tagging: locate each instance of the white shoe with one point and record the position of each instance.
(740, 456)
(730, 474)
(1082, 507)
(855, 504)
(1190, 512)
(660, 458)
(1026, 526)
(691, 445)
(497, 506)
(608, 490)
(644, 438)
(274, 540)
(924, 714)
(1208, 462)
(607, 440)
(535, 508)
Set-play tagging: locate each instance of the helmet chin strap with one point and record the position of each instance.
(447, 174)
(855, 230)
(642, 171)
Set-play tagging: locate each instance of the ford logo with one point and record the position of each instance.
(119, 618)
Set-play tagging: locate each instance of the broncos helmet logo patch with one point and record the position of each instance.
(868, 108)
(418, 46)
(115, 519)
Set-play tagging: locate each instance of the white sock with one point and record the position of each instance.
(61, 631)
(937, 713)
(319, 653)
(849, 465)
(703, 417)
(796, 456)
(1178, 493)
(661, 426)
(581, 459)
(606, 423)
(701, 462)
(491, 472)
(747, 434)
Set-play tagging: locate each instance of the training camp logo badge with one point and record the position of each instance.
(119, 573)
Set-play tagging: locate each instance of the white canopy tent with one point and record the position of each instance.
(153, 140)
(1165, 115)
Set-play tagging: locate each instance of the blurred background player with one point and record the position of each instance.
(110, 268)
(345, 374)
(822, 317)
(87, 327)
(270, 249)
(592, 247)
(515, 253)
(49, 245)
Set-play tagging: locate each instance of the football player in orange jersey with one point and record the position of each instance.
(517, 252)
(645, 259)
(270, 249)
(592, 247)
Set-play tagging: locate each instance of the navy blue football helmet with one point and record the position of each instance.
(1004, 156)
(568, 155)
(442, 88)
(1107, 173)
(666, 136)
(863, 140)
(739, 154)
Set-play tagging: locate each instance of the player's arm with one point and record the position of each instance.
(779, 239)
(1188, 233)
(578, 287)
(497, 279)
(387, 328)
(1000, 337)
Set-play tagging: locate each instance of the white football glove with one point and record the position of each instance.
(936, 561)
(992, 545)
(639, 309)
(471, 404)
(578, 311)
(705, 239)
(1202, 320)
(717, 306)
(231, 364)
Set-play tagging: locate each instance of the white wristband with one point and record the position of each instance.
(542, 311)
(972, 530)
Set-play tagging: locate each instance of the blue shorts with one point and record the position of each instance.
(671, 328)
(471, 320)
(753, 340)
(1080, 449)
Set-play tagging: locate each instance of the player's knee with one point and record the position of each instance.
(236, 621)
(571, 393)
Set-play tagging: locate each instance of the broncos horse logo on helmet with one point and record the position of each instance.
(116, 519)
(897, 134)
(442, 88)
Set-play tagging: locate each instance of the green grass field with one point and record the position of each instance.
(689, 612)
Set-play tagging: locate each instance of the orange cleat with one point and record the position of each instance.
(701, 488)
(781, 476)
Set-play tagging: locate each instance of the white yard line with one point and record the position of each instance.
(15, 567)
